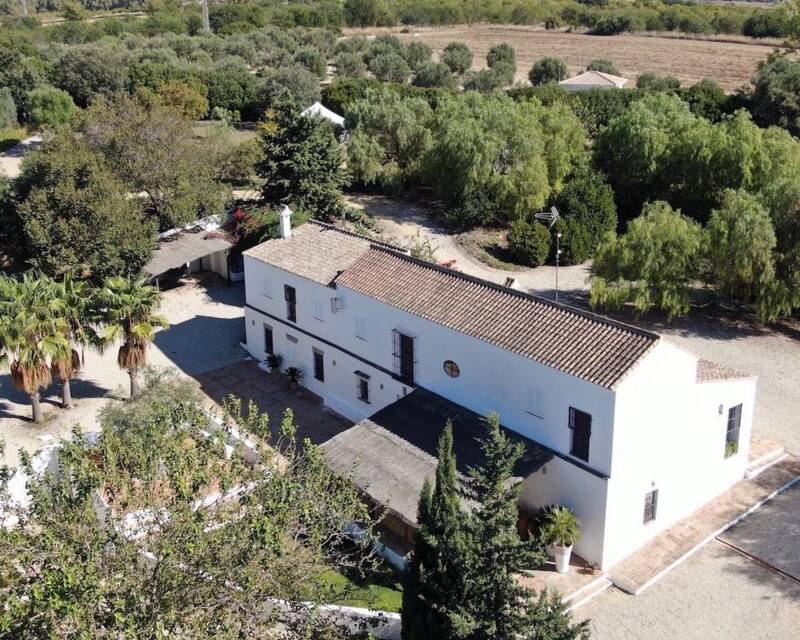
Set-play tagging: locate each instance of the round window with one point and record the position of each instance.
(451, 369)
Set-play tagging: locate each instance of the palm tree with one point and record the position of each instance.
(77, 299)
(32, 334)
(129, 312)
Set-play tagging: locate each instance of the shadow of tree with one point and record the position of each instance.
(16, 404)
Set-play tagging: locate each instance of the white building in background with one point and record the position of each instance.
(630, 431)
(592, 81)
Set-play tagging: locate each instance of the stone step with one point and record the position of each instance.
(587, 592)
(764, 461)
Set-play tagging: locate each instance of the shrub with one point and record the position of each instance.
(434, 74)
(49, 106)
(503, 61)
(613, 24)
(707, 99)
(297, 82)
(417, 54)
(458, 57)
(274, 361)
(311, 58)
(605, 66)
(561, 527)
(390, 67)
(349, 65)
(652, 82)
(529, 243)
(547, 71)
(8, 109)
(483, 81)
(293, 374)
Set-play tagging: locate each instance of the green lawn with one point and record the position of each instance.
(384, 594)
(11, 137)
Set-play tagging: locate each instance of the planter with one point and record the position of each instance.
(560, 555)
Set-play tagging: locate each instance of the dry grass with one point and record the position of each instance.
(730, 60)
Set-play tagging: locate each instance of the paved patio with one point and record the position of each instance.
(662, 553)
(272, 395)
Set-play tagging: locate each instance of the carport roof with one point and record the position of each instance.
(391, 453)
(188, 245)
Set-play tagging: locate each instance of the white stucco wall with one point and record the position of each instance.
(670, 436)
(658, 429)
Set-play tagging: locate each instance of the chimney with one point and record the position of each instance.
(286, 222)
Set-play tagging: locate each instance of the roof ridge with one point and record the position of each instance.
(360, 236)
(590, 315)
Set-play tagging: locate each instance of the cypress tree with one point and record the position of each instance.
(435, 583)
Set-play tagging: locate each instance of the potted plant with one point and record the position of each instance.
(561, 530)
(294, 375)
(274, 362)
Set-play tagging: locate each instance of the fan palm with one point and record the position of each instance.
(129, 308)
(77, 300)
(32, 334)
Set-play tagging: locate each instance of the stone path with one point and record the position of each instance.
(641, 569)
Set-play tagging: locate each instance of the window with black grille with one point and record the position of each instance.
(363, 389)
(319, 365)
(290, 295)
(580, 423)
(732, 433)
(650, 506)
(403, 352)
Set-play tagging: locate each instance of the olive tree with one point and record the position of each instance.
(547, 71)
(457, 56)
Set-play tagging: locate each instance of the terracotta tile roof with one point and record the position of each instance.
(594, 79)
(579, 343)
(708, 371)
(315, 250)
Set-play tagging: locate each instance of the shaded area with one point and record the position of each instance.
(390, 454)
(16, 404)
(772, 534)
(272, 395)
(202, 343)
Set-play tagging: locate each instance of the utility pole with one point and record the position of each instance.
(206, 23)
(550, 218)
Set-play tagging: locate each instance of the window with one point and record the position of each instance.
(650, 506)
(362, 386)
(290, 296)
(267, 288)
(580, 423)
(732, 433)
(319, 365)
(269, 343)
(451, 369)
(535, 403)
(361, 328)
(318, 310)
(403, 356)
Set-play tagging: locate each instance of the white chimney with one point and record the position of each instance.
(286, 222)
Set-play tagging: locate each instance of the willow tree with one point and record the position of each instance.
(32, 334)
(129, 312)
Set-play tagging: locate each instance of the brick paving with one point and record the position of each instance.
(272, 395)
(760, 447)
(580, 577)
(639, 570)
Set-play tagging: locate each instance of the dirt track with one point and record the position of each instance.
(731, 60)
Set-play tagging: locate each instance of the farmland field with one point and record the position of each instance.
(730, 60)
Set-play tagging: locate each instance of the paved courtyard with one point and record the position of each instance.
(272, 395)
(206, 326)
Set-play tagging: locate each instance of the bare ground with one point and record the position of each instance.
(731, 60)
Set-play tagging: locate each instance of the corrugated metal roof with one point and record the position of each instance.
(582, 344)
(594, 79)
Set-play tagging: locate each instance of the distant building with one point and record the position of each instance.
(593, 80)
(627, 429)
(321, 111)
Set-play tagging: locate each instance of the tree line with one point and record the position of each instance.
(603, 17)
(46, 324)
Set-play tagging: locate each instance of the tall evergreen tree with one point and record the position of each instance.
(436, 582)
(303, 162)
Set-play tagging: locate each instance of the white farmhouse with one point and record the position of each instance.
(592, 81)
(630, 431)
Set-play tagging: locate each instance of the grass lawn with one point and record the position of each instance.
(384, 594)
(11, 137)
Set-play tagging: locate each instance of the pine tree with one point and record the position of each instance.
(303, 162)
(436, 583)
